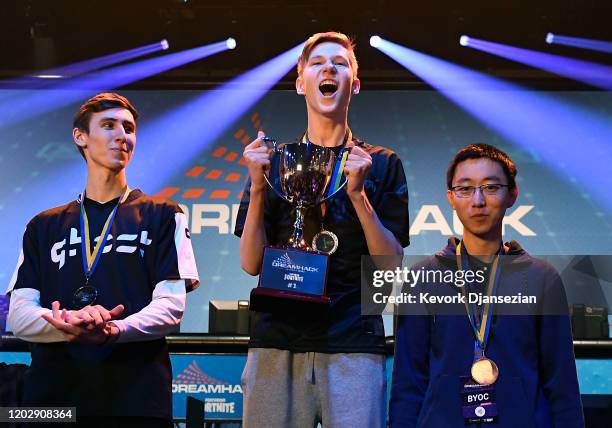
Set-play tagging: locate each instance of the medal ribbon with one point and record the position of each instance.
(480, 328)
(91, 258)
(339, 166)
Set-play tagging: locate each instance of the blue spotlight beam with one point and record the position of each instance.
(578, 42)
(165, 144)
(572, 142)
(46, 78)
(169, 143)
(106, 60)
(597, 75)
(83, 87)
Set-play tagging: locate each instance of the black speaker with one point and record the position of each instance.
(195, 413)
(590, 322)
(228, 317)
(243, 318)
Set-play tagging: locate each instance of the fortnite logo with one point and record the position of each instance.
(293, 277)
(58, 254)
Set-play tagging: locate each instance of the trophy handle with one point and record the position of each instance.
(274, 146)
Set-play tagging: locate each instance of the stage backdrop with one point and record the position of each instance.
(40, 168)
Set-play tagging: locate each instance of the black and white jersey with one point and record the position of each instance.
(148, 243)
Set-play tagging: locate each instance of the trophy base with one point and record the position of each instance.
(270, 300)
(291, 277)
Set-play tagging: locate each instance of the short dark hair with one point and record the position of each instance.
(332, 37)
(478, 151)
(98, 103)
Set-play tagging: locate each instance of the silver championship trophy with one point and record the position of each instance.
(296, 271)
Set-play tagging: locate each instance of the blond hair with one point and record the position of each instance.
(331, 37)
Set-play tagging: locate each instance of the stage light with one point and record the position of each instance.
(591, 73)
(570, 140)
(93, 64)
(231, 43)
(579, 42)
(464, 40)
(82, 67)
(375, 41)
(82, 87)
(191, 127)
(198, 123)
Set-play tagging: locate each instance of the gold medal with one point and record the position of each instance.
(325, 241)
(484, 371)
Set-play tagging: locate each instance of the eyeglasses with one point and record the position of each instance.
(486, 189)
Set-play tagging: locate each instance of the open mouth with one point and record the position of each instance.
(328, 87)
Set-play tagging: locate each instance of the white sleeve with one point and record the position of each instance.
(25, 318)
(157, 319)
(184, 253)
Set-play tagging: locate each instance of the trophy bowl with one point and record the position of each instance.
(304, 171)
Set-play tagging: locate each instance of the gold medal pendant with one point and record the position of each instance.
(325, 241)
(484, 371)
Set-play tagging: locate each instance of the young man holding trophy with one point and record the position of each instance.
(311, 349)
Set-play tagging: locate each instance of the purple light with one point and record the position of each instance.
(175, 139)
(578, 42)
(81, 88)
(107, 60)
(464, 40)
(590, 73)
(571, 141)
(34, 81)
(168, 142)
(375, 41)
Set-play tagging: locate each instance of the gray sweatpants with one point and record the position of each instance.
(284, 389)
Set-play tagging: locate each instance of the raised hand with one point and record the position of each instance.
(356, 169)
(257, 156)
